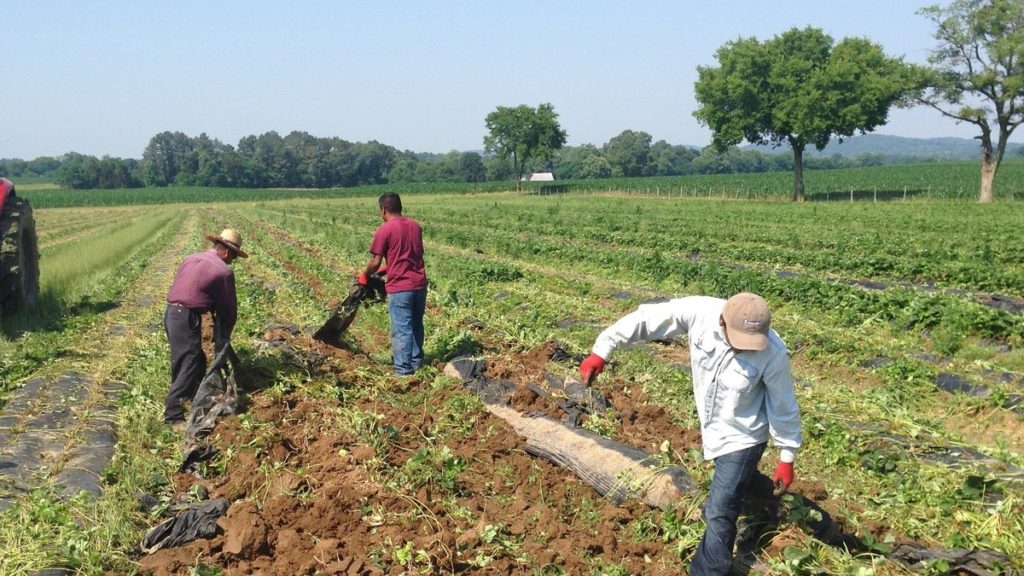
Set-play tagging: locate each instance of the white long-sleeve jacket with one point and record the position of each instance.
(743, 396)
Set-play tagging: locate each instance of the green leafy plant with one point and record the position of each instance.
(435, 467)
(416, 560)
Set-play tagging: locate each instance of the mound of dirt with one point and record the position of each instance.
(401, 481)
(311, 495)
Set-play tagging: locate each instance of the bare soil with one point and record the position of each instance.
(309, 496)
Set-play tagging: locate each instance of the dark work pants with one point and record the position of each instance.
(722, 509)
(188, 361)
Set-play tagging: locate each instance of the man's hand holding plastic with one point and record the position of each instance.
(363, 279)
(590, 368)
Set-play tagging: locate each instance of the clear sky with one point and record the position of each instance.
(103, 77)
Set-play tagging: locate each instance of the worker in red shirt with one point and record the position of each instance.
(399, 243)
(203, 283)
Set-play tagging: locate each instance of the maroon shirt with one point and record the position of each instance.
(204, 282)
(400, 242)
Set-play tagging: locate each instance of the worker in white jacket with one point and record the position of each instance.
(743, 387)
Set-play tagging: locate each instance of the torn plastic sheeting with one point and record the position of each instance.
(344, 313)
(217, 396)
(196, 454)
(956, 457)
(310, 360)
(577, 398)
(578, 392)
(977, 562)
(492, 391)
(576, 323)
(955, 384)
(198, 521)
(558, 354)
(466, 369)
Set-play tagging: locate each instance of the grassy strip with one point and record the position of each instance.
(56, 224)
(48, 331)
(92, 536)
(71, 270)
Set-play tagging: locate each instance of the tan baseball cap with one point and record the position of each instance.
(230, 238)
(747, 320)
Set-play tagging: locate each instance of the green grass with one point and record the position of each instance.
(70, 269)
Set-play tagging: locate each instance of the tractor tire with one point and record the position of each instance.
(19, 256)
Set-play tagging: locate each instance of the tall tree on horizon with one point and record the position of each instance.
(978, 74)
(799, 89)
(522, 133)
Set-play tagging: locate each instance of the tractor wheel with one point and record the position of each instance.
(19, 256)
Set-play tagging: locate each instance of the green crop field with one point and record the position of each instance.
(903, 318)
(946, 180)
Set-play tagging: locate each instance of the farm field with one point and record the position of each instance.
(904, 320)
(929, 181)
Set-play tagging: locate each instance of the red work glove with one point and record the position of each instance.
(783, 477)
(590, 368)
(362, 278)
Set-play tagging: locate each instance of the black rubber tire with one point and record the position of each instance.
(19, 256)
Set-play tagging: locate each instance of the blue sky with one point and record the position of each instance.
(103, 77)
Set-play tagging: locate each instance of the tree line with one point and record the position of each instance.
(300, 160)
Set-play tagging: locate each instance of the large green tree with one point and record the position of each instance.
(522, 133)
(979, 73)
(629, 153)
(167, 155)
(800, 89)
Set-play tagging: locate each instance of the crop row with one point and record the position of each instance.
(513, 240)
(922, 244)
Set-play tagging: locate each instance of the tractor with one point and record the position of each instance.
(19, 251)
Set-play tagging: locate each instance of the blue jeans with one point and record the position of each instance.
(406, 310)
(722, 509)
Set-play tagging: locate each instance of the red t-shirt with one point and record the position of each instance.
(400, 242)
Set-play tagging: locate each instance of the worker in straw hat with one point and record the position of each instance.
(203, 283)
(743, 388)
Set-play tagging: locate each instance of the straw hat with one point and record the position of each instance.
(229, 238)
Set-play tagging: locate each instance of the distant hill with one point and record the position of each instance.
(938, 148)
